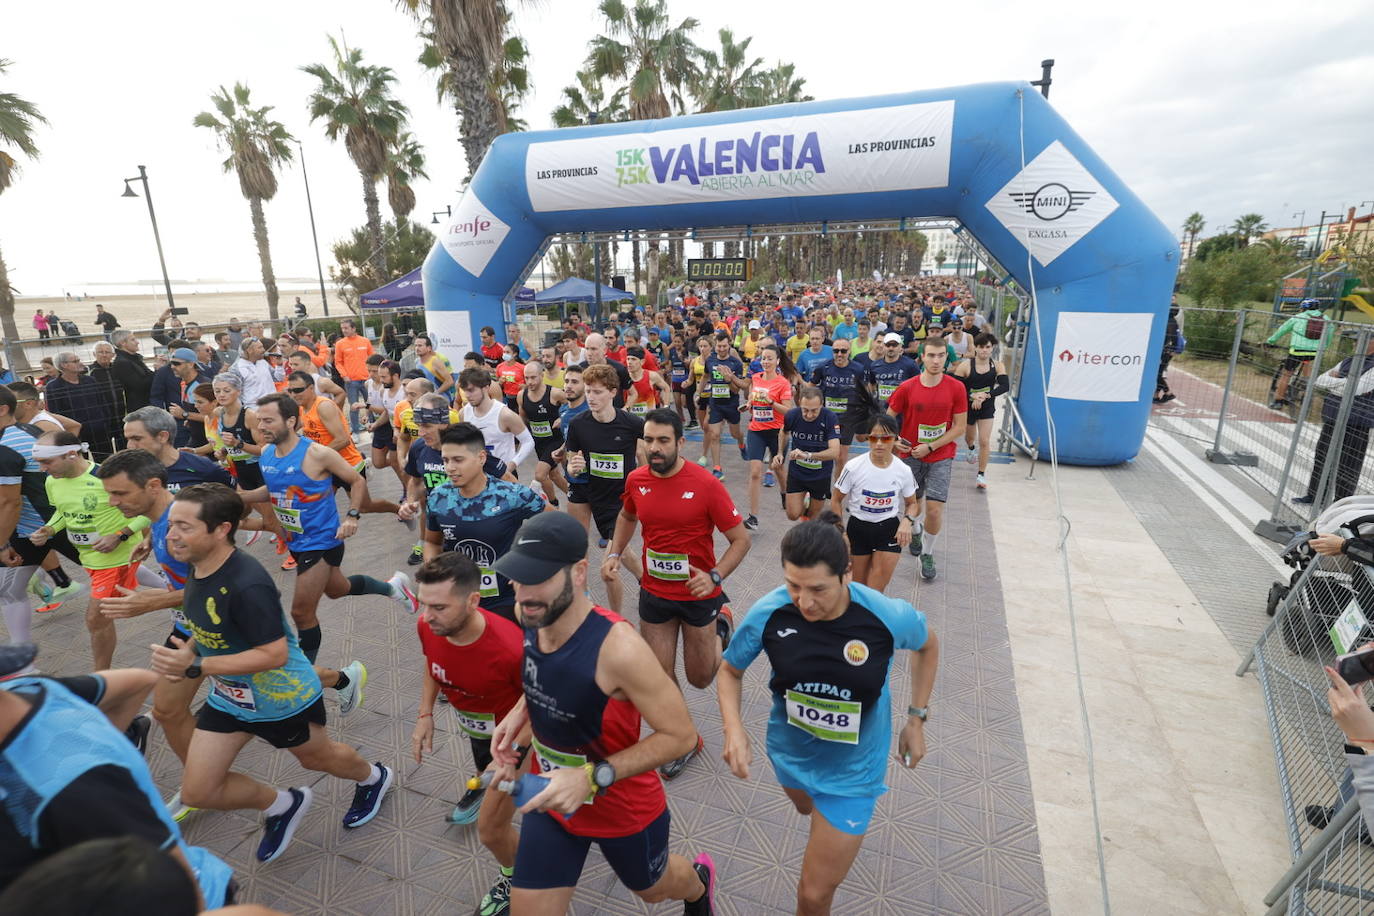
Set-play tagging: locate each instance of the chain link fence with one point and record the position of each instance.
(1297, 423)
(1322, 613)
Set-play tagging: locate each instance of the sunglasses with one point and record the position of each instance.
(839, 352)
(174, 363)
(892, 345)
(298, 390)
(882, 438)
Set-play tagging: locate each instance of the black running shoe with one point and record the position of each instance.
(367, 800)
(752, 523)
(725, 626)
(137, 732)
(673, 768)
(704, 905)
(278, 830)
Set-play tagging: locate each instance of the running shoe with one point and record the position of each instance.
(137, 733)
(1171, 396)
(278, 830)
(705, 867)
(251, 538)
(971, 454)
(367, 800)
(914, 548)
(725, 626)
(702, 461)
(717, 473)
(752, 522)
(351, 697)
(742, 454)
(289, 562)
(674, 768)
(179, 811)
(692, 423)
(465, 812)
(417, 556)
(1276, 404)
(281, 547)
(39, 588)
(982, 481)
(497, 900)
(927, 567)
(56, 597)
(768, 480)
(403, 594)
(1303, 500)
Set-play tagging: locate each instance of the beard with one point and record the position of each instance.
(551, 611)
(663, 463)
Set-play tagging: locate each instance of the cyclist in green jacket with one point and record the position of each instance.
(1302, 348)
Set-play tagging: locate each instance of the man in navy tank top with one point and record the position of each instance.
(588, 680)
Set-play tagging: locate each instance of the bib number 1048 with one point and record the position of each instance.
(828, 720)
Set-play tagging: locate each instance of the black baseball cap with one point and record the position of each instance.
(544, 544)
(16, 657)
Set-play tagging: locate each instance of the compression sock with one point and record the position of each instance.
(366, 585)
(310, 638)
(928, 543)
(59, 577)
(18, 620)
(342, 682)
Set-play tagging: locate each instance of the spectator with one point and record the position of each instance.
(254, 329)
(254, 371)
(75, 394)
(350, 359)
(103, 374)
(6, 376)
(163, 390)
(1355, 440)
(166, 328)
(107, 321)
(513, 338)
(1172, 332)
(318, 350)
(54, 323)
(191, 332)
(226, 352)
(1304, 331)
(235, 331)
(129, 368)
(299, 307)
(40, 324)
(391, 342)
(190, 424)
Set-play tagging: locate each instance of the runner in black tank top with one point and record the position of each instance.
(983, 388)
(541, 416)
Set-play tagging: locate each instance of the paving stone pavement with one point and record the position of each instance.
(956, 835)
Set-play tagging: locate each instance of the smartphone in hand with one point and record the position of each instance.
(1356, 667)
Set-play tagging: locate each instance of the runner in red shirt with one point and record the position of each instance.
(491, 350)
(933, 408)
(680, 506)
(770, 398)
(474, 657)
(510, 375)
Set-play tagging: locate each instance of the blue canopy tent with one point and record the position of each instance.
(575, 289)
(407, 292)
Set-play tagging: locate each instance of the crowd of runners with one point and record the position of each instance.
(526, 476)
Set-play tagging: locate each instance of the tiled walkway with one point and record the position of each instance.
(957, 835)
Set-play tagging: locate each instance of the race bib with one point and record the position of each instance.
(235, 693)
(763, 414)
(878, 503)
(541, 429)
(638, 409)
(477, 724)
(679, 375)
(838, 405)
(82, 538)
(885, 390)
(550, 760)
(489, 588)
(672, 567)
(973, 391)
(610, 467)
(238, 454)
(290, 519)
(828, 720)
(719, 390)
(811, 464)
(926, 433)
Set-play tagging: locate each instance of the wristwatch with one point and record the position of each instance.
(193, 672)
(354, 514)
(603, 776)
(124, 536)
(716, 577)
(920, 712)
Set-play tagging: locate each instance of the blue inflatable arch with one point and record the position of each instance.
(996, 157)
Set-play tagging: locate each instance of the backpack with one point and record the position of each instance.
(1314, 328)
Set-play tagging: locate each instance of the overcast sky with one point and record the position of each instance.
(1221, 107)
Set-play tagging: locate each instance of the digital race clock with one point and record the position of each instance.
(739, 269)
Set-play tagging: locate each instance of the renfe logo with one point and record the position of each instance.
(473, 227)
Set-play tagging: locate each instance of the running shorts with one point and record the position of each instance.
(549, 856)
(292, 731)
(932, 477)
(868, 538)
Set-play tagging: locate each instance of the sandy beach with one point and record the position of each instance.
(140, 311)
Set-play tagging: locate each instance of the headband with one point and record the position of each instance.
(57, 451)
(435, 415)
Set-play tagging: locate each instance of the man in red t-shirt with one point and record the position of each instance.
(492, 351)
(933, 408)
(474, 657)
(680, 506)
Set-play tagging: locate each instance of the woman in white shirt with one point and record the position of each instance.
(879, 493)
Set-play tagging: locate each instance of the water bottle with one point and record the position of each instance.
(523, 789)
(481, 781)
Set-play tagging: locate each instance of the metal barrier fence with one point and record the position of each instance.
(1294, 426)
(1333, 870)
(1008, 313)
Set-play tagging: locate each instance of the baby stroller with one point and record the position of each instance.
(71, 331)
(1331, 586)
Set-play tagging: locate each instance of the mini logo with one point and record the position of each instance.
(1051, 201)
(1065, 356)
(689, 494)
(783, 634)
(856, 652)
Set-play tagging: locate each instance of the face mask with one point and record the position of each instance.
(508, 356)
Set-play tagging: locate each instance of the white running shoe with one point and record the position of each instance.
(982, 482)
(403, 592)
(351, 697)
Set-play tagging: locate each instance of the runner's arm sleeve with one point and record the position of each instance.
(1001, 386)
(105, 801)
(524, 445)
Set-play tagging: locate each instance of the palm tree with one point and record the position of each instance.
(354, 100)
(1247, 227)
(405, 161)
(940, 259)
(777, 87)
(257, 145)
(19, 118)
(1192, 226)
(467, 40)
(589, 97)
(657, 60)
(728, 79)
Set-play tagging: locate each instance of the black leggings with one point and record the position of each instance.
(481, 753)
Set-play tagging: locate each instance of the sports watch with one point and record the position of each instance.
(920, 712)
(354, 514)
(193, 672)
(603, 776)
(716, 577)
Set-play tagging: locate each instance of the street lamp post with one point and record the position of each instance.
(148, 195)
(313, 237)
(447, 211)
(592, 118)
